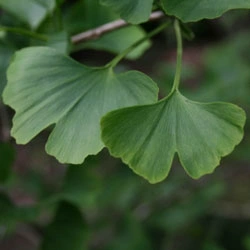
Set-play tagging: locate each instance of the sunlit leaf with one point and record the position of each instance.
(133, 11)
(194, 10)
(147, 137)
(67, 231)
(45, 87)
(31, 12)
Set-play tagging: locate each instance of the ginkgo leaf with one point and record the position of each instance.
(31, 12)
(133, 11)
(194, 10)
(46, 87)
(147, 137)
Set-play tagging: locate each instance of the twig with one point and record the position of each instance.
(103, 29)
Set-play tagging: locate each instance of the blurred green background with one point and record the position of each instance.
(103, 205)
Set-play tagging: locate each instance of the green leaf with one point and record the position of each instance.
(67, 231)
(7, 157)
(6, 53)
(46, 87)
(133, 11)
(80, 18)
(59, 41)
(119, 40)
(147, 137)
(31, 12)
(194, 10)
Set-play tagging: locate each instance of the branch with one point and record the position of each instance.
(103, 29)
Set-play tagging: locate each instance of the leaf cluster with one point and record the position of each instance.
(46, 87)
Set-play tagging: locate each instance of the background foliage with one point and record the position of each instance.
(102, 204)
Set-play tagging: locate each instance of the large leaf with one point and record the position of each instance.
(46, 87)
(67, 231)
(194, 10)
(133, 11)
(147, 137)
(31, 12)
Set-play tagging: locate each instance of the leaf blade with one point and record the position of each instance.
(46, 88)
(194, 10)
(133, 11)
(147, 137)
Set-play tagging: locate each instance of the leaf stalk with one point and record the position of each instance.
(178, 56)
(119, 57)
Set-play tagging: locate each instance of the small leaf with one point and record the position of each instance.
(194, 10)
(31, 12)
(80, 18)
(46, 87)
(119, 40)
(133, 11)
(67, 231)
(147, 137)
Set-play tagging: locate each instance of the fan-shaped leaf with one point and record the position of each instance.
(194, 10)
(133, 11)
(147, 137)
(46, 87)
